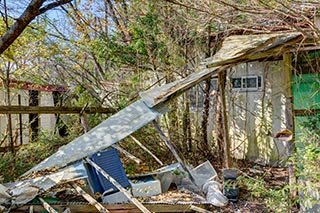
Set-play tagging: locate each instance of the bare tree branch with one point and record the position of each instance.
(31, 12)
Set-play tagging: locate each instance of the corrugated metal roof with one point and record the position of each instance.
(235, 49)
(112, 130)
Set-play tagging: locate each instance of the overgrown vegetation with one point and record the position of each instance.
(12, 165)
(308, 161)
(106, 52)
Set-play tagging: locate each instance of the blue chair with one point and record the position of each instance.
(109, 161)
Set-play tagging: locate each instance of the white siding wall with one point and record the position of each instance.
(14, 117)
(255, 116)
(47, 121)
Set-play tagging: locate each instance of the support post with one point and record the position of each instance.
(290, 119)
(20, 121)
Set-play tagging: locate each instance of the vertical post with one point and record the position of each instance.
(20, 120)
(289, 118)
(227, 155)
(7, 84)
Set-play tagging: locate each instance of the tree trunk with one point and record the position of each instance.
(219, 128)
(205, 114)
(227, 155)
(206, 101)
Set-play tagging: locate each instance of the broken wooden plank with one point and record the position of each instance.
(199, 209)
(146, 149)
(116, 184)
(46, 205)
(127, 207)
(66, 210)
(90, 199)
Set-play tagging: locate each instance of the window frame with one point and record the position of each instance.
(243, 84)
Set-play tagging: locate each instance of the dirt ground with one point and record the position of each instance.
(274, 177)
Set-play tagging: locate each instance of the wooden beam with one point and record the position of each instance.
(289, 113)
(127, 154)
(90, 199)
(127, 207)
(49, 208)
(31, 209)
(199, 209)
(52, 110)
(304, 112)
(227, 145)
(116, 184)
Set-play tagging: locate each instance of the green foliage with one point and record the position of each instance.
(276, 198)
(308, 160)
(29, 155)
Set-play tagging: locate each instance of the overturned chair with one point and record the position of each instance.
(110, 162)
